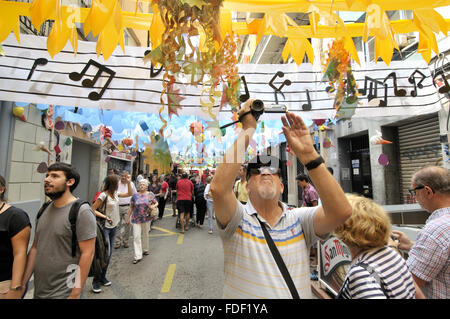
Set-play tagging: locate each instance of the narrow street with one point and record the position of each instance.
(180, 266)
(188, 266)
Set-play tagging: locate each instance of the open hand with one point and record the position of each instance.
(298, 137)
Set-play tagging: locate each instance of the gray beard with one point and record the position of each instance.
(267, 192)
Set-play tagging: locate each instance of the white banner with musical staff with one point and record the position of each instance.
(125, 82)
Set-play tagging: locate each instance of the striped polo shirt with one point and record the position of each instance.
(388, 277)
(250, 269)
(429, 257)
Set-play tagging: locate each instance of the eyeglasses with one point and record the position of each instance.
(412, 191)
(265, 169)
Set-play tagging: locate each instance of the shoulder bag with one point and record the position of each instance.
(279, 260)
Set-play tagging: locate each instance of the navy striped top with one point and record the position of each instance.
(379, 273)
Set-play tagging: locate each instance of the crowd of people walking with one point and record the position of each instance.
(243, 206)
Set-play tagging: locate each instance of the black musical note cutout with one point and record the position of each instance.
(446, 87)
(308, 106)
(39, 61)
(246, 96)
(278, 90)
(412, 80)
(153, 74)
(373, 90)
(88, 83)
(397, 92)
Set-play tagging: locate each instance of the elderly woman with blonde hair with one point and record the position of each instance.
(377, 270)
(141, 205)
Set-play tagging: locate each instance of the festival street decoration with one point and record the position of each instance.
(190, 65)
(400, 88)
(197, 40)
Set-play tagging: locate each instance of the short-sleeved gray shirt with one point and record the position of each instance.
(54, 269)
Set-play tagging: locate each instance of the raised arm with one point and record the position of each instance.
(130, 189)
(335, 207)
(222, 184)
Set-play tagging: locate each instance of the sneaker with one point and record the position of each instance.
(210, 231)
(96, 287)
(105, 282)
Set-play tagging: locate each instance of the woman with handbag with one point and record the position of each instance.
(141, 206)
(14, 236)
(107, 206)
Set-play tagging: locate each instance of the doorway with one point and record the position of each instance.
(361, 174)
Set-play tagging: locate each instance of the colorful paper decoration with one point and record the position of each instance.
(42, 168)
(127, 141)
(383, 160)
(86, 128)
(19, 112)
(339, 74)
(68, 141)
(59, 125)
(107, 21)
(378, 139)
(42, 147)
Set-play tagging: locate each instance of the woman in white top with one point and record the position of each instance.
(111, 214)
(209, 203)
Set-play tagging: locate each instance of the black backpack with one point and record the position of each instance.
(100, 260)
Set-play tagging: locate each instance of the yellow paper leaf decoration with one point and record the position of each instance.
(431, 19)
(99, 15)
(156, 28)
(377, 24)
(427, 39)
(297, 48)
(314, 21)
(40, 10)
(226, 26)
(275, 22)
(63, 30)
(111, 32)
(330, 18)
(349, 45)
(9, 21)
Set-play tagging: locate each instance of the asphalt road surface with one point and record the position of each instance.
(188, 266)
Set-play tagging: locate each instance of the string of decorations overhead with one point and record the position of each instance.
(107, 21)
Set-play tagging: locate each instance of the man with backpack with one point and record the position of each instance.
(63, 249)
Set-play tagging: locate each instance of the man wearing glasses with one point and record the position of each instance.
(250, 269)
(429, 256)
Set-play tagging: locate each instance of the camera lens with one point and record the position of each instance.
(258, 106)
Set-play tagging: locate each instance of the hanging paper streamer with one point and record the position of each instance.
(339, 75)
(49, 117)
